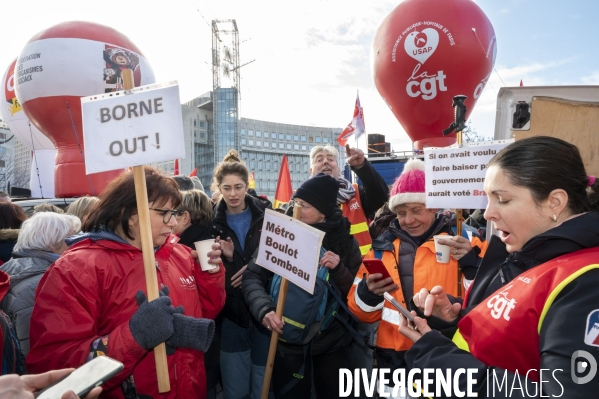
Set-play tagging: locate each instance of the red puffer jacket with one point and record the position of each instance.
(90, 293)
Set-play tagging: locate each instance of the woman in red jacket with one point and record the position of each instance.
(92, 300)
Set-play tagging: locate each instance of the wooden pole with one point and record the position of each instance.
(458, 217)
(147, 249)
(274, 338)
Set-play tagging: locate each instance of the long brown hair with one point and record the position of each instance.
(118, 202)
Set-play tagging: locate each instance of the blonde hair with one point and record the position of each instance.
(82, 206)
(231, 165)
(328, 149)
(198, 205)
(46, 207)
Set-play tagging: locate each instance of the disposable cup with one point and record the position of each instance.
(442, 251)
(202, 248)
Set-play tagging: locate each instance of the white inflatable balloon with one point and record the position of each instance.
(15, 118)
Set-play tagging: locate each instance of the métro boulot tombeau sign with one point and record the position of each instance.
(290, 249)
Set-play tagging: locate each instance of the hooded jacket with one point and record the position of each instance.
(26, 269)
(235, 307)
(564, 328)
(89, 294)
(256, 279)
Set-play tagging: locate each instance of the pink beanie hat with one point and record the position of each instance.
(409, 186)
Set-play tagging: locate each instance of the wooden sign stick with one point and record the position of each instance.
(274, 338)
(147, 249)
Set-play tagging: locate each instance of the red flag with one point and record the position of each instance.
(176, 172)
(355, 126)
(284, 191)
(194, 172)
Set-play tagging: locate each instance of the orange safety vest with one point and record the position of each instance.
(504, 330)
(354, 212)
(427, 274)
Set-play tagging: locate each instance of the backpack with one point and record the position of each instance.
(305, 315)
(12, 361)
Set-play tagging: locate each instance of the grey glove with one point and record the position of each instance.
(152, 324)
(191, 333)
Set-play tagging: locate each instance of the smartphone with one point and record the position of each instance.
(402, 309)
(376, 266)
(92, 374)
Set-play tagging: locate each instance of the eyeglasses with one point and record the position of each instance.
(302, 205)
(167, 214)
(227, 189)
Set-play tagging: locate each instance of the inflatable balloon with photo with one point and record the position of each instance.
(424, 53)
(41, 179)
(55, 69)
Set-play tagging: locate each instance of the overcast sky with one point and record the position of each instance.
(312, 56)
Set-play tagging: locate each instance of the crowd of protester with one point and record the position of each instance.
(72, 284)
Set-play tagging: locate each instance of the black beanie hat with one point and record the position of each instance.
(320, 191)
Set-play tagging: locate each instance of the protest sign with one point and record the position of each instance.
(290, 249)
(455, 176)
(134, 127)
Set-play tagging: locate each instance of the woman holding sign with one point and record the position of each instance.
(295, 365)
(92, 302)
(410, 259)
(532, 313)
(237, 221)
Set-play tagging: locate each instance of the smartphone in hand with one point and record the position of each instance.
(90, 375)
(376, 266)
(402, 309)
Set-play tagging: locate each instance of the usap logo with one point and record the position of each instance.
(591, 335)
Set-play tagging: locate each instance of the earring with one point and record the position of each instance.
(554, 218)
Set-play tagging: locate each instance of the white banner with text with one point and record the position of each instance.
(290, 249)
(133, 127)
(455, 176)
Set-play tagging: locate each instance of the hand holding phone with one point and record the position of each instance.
(375, 266)
(402, 309)
(81, 381)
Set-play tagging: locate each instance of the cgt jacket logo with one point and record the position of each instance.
(501, 305)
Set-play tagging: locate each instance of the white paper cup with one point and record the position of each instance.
(202, 248)
(442, 251)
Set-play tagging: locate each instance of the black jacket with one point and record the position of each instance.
(564, 325)
(374, 191)
(235, 308)
(193, 233)
(256, 280)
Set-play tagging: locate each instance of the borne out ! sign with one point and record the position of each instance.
(131, 128)
(455, 176)
(290, 249)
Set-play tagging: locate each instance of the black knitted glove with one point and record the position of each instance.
(191, 333)
(152, 324)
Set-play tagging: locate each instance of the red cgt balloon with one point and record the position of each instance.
(55, 69)
(426, 52)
